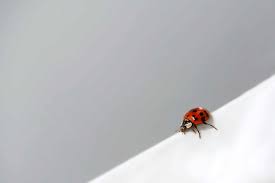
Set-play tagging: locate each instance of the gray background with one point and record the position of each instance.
(87, 84)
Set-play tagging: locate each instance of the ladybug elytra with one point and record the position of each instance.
(193, 118)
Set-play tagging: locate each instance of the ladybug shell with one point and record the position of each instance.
(197, 115)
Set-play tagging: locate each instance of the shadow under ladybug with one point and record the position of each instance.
(193, 118)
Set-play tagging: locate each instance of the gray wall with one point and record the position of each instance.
(87, 84)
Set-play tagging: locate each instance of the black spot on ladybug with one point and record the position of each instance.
(201, 113)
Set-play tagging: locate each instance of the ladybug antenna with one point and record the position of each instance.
(182, 129)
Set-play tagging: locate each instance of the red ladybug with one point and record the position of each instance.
(193, 118)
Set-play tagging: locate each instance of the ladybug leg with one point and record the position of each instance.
(197, 130)
(194, 130)
(184, 131)
(210, 125)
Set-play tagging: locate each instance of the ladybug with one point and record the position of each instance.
(193, 118)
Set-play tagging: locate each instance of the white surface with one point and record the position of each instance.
(242, 150)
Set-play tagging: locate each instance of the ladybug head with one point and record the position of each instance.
(185, 124)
